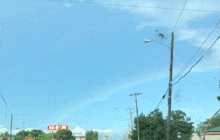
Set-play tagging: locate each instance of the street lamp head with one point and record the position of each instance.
(147, 40)
(115, 108)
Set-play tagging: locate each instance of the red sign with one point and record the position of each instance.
(5, 138)
(28, 139)
(80, 138)
(57, 127)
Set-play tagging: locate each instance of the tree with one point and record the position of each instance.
(6, 134)
(29, 136)
(36, 132)
(43, 136)
(63, 134)
(154, 126)
(91, 135)
(181, 128)
(18, 137)
(23, 133)
(215, 122)
(149, 126)
(218, 97)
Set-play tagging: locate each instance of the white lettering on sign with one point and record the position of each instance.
(57, 127)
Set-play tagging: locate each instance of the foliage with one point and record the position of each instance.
(6, 134)
(180, 128)
(18, 137)
(218, 97)
(154, 126)
(35, 132)
(23, 133)
(215, 122)
(29, 136)
(63, 134)
(198, 130)
(43, 136)
(91, 135)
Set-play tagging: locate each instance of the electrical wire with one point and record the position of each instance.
(187, 72)
(196, 62)
(179, 16)
(185, 67)
(134, 6)
(162, 98)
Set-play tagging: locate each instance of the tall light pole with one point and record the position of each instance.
(136, 112)
(23, 129)
(170, 82)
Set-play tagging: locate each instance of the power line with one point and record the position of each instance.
(187, 72)
(163, 97)
(196, 62)
(134, 6)
(179, 15)
(196, 52)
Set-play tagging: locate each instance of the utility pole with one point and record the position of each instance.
(11, 126)
(136, 112)
(131, 116)
(129, 129)
(131, 126)
(170, 87)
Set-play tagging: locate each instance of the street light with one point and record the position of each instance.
(149, 40)
(170, 80)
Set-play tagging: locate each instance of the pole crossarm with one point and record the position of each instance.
(135, 94)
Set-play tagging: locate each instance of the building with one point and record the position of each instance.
(211, 134)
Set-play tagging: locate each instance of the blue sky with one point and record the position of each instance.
(71, 62)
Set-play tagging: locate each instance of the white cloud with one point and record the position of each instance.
(67, 5)
(164, 17)
(78, 129)
(3, 130)
(29, 129)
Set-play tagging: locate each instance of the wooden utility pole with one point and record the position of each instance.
(170, 87)
(136, 112)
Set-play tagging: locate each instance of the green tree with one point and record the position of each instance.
(36, 132)
(149, 126)
(180, 128)
(215, 122)
(218, 97)
(6, 134)
(91, 135)
(154, 126)
(63, 134)
(18, 137)
(43, 136)
(29, 136)
(23, 133)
